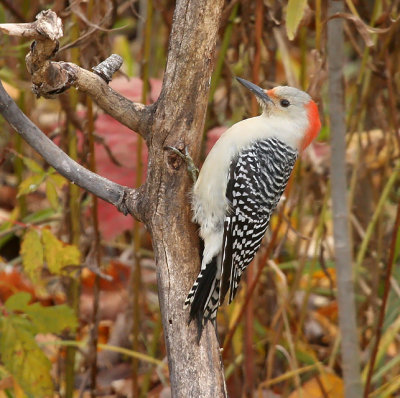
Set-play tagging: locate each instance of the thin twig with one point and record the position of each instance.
(386, 291)
(137, 239)
(378, 209)
(94, 335)
(249, 364)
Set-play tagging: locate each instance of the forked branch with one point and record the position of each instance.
(124, 198)
(50, 78)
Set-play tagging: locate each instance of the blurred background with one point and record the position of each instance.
(75, 274)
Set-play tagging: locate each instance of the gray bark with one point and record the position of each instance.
(343, 256)
(178, 121)
(123, 198)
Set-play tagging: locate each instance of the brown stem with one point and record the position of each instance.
(386, 291)
(94, 333)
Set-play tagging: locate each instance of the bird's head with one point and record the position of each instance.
(290, 104)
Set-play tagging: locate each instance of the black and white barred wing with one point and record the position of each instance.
(256, 181)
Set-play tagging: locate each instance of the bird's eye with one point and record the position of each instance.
(285, 103)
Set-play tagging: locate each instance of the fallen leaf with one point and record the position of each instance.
(332, 384)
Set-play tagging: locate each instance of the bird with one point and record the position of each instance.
(238, 188)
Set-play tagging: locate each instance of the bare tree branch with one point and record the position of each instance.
(134, 115)
(108, 67)
(47, 26)
(124, 198)
(50, 78)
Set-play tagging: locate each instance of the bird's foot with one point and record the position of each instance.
(191, 167)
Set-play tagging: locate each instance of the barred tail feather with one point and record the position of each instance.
(203, 296)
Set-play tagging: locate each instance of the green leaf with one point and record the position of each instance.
(58, 180)
(294, 14)
(53, 319)
(52, 195)
(58, 254)
(30, 184)
(23, 358)
(18, 301)
(38, 216)
(32, 165)
(32, 254)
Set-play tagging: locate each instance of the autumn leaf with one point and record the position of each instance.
(294, 14)
(332, 385)
(53, 319)
(32, 254)
(58, 180)
(17, 301)
(23, 358)
(33, 166)
(51, 194)
(57, 253)
(30, 184)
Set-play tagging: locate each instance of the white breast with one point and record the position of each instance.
(209, 203)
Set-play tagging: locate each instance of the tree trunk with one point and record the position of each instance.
(179, 115)
(162, 203)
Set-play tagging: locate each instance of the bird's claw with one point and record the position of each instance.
(191, 167)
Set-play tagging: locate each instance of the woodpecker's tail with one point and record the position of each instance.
(203, 297)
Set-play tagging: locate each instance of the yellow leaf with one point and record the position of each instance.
(57, 253)
(23, 358)
(294, 14)
(58, 180)
(18, 391)
(32, 165)
(30, 184)
(332, 384)
(32, 254)
(52, 195)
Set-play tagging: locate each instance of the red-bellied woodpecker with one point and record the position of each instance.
(239, 186)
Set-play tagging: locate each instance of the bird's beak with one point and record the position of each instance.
(258, 91)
